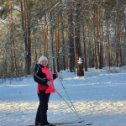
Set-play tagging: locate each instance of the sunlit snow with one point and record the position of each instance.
(99, 98)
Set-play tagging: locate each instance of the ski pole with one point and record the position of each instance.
(65, 101)
(69, 106)
(69, 99)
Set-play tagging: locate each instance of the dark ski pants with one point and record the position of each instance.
(41, 115)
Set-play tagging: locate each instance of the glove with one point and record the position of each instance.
(49, 83)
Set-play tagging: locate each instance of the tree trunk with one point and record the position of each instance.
(78, 53)
(45, 38)
(63, 42)
(57, 39)
(118, 45)
(85, 51)
(95, 38)
(50, 42)
(71, 39)
(100, 41)
(25, 13)
(108, 42)
(12, 40)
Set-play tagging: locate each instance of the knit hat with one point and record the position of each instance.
(42, 58)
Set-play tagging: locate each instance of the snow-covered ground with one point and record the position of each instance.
(99, 98)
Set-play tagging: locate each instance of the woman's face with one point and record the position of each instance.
(44, 63)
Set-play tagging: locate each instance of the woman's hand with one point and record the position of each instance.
(49, 83)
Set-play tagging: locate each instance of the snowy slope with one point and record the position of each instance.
(99, 98)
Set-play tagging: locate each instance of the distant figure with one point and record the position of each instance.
(45, 79)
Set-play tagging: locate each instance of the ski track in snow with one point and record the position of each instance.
(99, 98)
(26, 109)
(17, 112)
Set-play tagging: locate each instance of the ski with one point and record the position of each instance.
(81, 123)
(72, 124)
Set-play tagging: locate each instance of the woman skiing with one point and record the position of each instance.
(45, 79)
